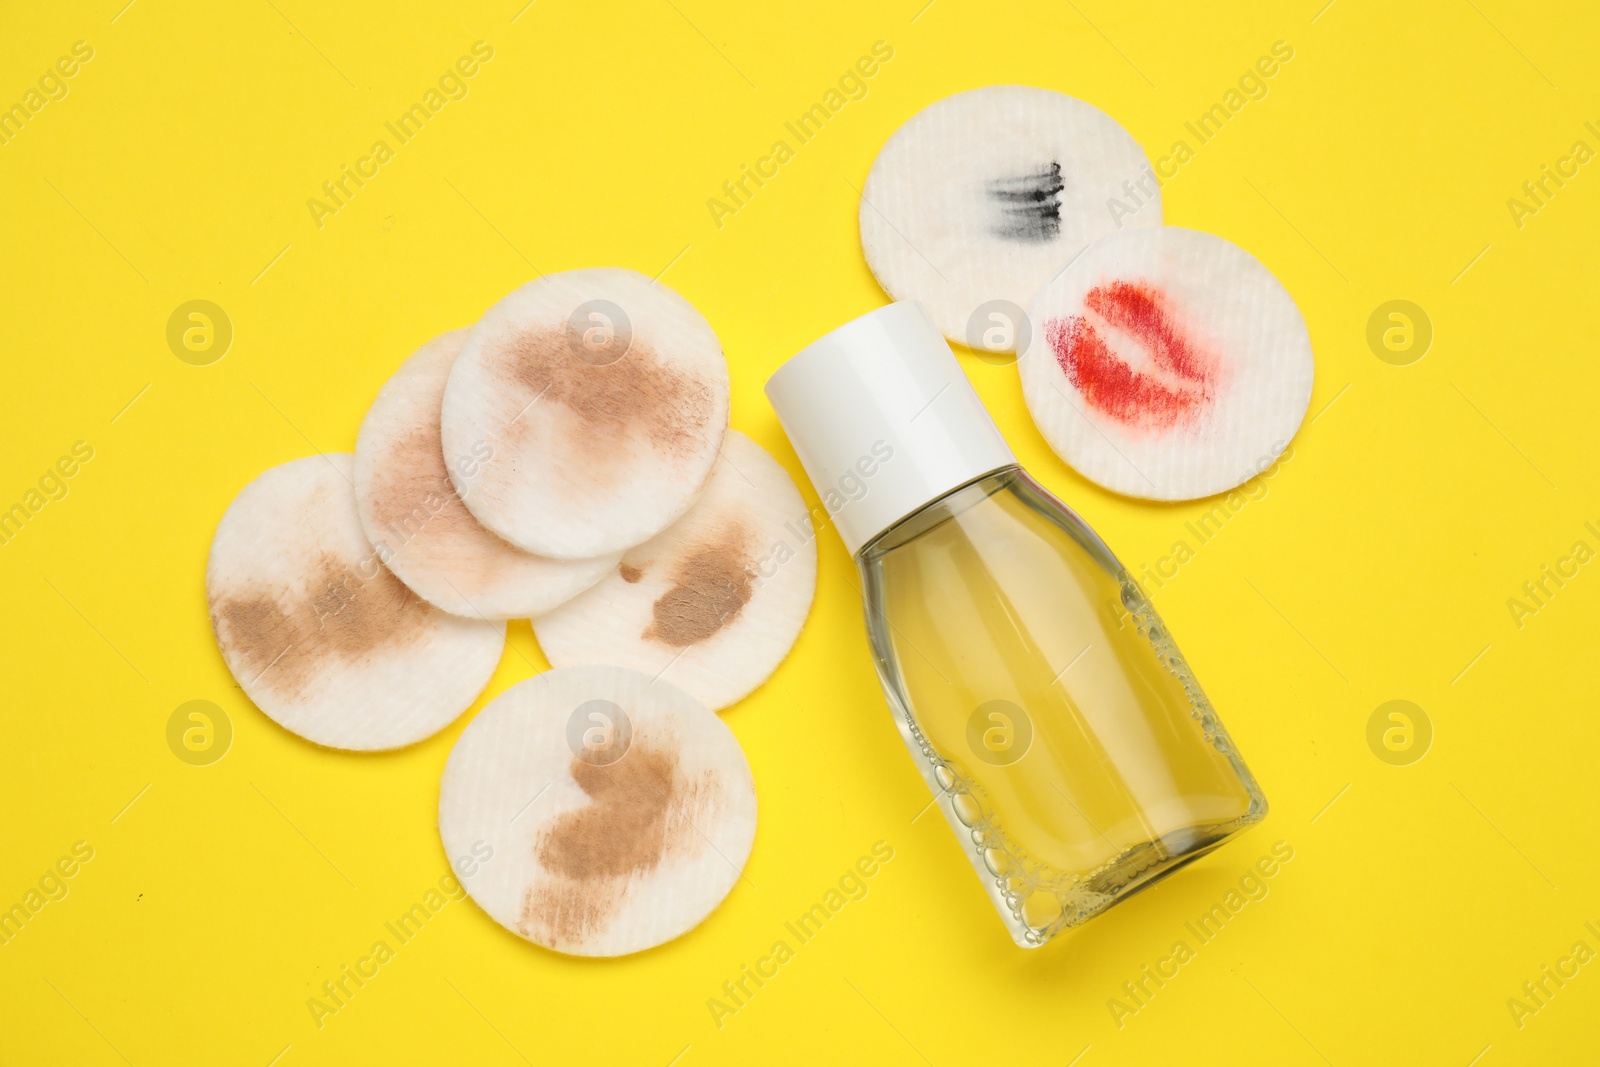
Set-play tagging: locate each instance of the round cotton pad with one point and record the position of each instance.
(600, 398)
(420, 527)
(714, 602)
(1167, 364)
(980, 198)
(595, 812)
(317, 631)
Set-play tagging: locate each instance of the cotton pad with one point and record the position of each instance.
(600, 399)
(714, 602)
(980, 198)
(420, 527)
(1167, 364)
(595, 812)
(316, 630)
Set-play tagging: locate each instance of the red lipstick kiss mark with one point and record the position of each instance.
(1183, 380)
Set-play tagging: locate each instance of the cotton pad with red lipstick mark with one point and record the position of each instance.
(588, 407)
(318, 632)
(1167, 364)
(414, 517)
(978, 199)
(595, 812)
(715, 601)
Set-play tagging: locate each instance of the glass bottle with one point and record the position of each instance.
(1062, 733)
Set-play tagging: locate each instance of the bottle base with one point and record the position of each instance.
(1044, 915)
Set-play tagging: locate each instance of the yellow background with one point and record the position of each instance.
(1377, 567)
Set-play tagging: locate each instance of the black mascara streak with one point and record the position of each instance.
(1030, 205)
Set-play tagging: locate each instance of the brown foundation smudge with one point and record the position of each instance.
(638, 394)
(710, 587)
(623, 828)
(630, 573)
(563, 911)
(282, 641)
(414, 493)
(641, 810)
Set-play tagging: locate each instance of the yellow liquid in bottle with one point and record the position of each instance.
(1061, 730)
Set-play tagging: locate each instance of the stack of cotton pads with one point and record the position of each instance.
(1159, 362)
(568, 459)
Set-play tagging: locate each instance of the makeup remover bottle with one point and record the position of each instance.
(1063, 735)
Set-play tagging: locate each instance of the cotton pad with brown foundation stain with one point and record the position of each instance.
(1167, 363)
(319, 634)
(714, 602)
(601, 398)
(414, 517)
(595, 812)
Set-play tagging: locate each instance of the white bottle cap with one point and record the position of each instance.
(884, 420)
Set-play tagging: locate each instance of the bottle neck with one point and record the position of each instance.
(941, 509)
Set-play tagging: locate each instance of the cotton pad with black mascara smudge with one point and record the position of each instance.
(423, 532)
(715, 601)
(980, 198)
(319, 634)
(595, 812)
(601, 399)
(1167, 364)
